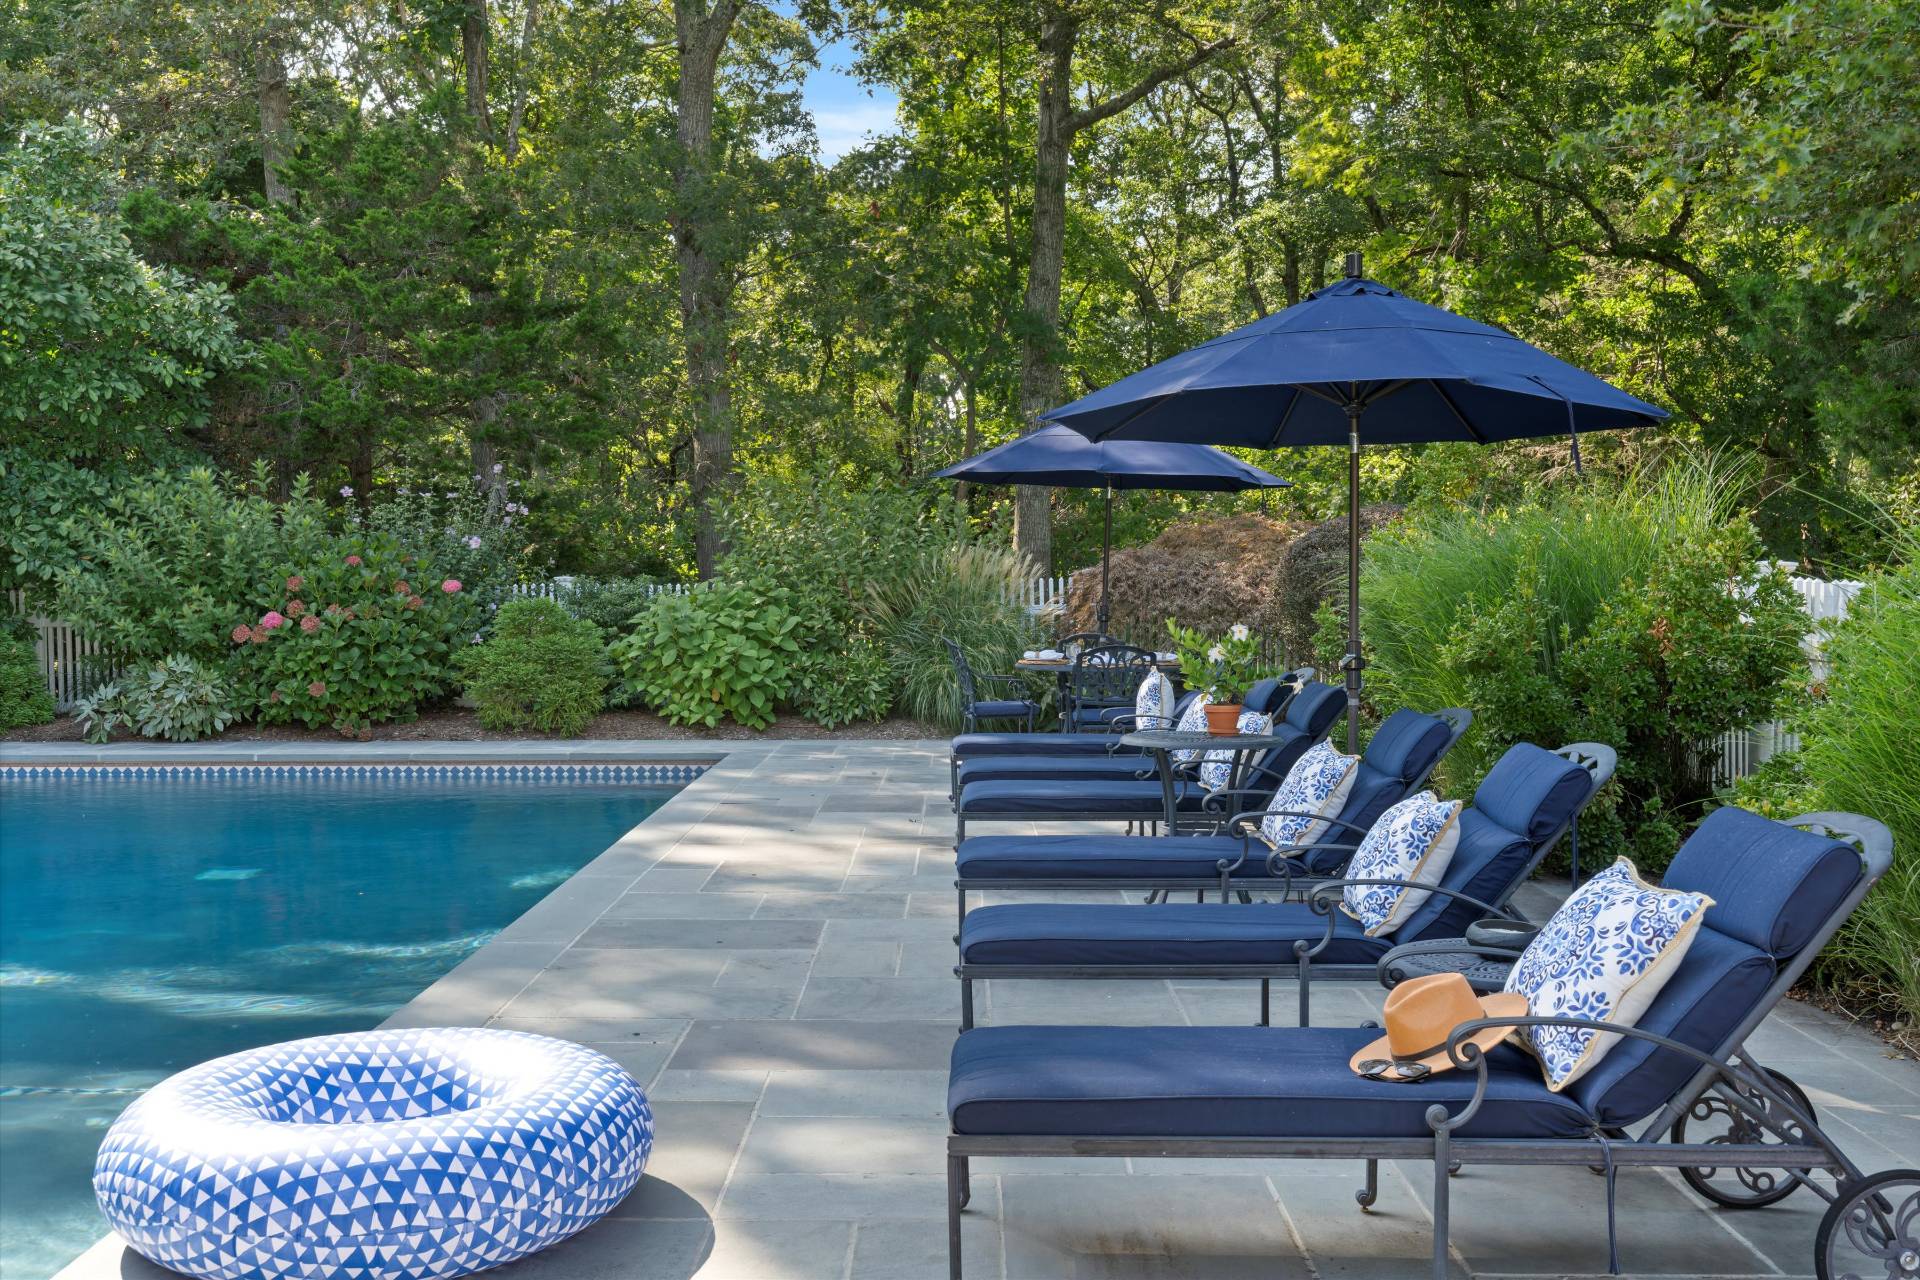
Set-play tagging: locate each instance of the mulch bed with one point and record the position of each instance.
(457, 724)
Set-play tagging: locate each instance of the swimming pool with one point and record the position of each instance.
(151, 922)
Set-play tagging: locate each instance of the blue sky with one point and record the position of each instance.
(844, 110)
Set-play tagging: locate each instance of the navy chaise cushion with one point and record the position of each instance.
(1180, 933)
(1237, 1082)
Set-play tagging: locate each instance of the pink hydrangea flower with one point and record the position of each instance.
(354, 561)
(296, 607)
(272, 620)
(317, 689)
(295, 582)
(310, 623)
(242, 633)
(259, 636)
(414, 602)
(450, 586)
(401, 588)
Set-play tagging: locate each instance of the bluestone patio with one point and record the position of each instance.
(771, 954)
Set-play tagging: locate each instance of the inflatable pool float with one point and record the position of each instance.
(384, 1155)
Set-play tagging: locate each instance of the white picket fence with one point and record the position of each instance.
(72, 664)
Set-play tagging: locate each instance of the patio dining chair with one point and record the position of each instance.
(1100, 685)
(1525, 804)
(1398, 759)
(974, 708)
(1779, 892)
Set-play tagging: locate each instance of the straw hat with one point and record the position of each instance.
(1421, 1014)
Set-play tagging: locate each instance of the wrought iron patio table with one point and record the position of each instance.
(1162, 743)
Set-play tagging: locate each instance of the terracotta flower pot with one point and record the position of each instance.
(1223, 718)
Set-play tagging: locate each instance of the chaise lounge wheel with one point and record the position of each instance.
(1871, 1231)
(1713, 1119)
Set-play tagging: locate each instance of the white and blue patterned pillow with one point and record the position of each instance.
(1216, 767)
(1192, 720)
(1604, 955)
(1318, 783)
(1412, 844)
(1153, 703)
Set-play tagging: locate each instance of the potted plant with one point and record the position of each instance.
(1225, 668)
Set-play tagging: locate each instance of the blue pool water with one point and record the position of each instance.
(149, 924)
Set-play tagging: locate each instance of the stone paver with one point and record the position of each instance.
(771, 953)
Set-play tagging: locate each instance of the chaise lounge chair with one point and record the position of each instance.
(1779, 890)
(1120, 762)
(1398, 759)
(1308, 717)
(1527, 801)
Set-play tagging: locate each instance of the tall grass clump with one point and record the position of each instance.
(958, 593)
(1857, 755)
(1635, 613)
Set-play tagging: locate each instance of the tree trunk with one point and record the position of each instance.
(1039, 338)
(522, 81)
(276, 123)
(473, 50)
(704, 287)
(906, 404)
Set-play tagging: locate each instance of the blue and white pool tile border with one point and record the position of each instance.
(655, 773)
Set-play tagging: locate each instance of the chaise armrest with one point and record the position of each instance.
(1747, 1083)
(1440, 947)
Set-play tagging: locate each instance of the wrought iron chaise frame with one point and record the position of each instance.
(1727, 1076)
(1279, 877)
(1597, 758)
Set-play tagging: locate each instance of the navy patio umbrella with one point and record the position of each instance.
(1065, 459)
(1351, 364)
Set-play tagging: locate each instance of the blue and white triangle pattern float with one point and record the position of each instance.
(387, 1155)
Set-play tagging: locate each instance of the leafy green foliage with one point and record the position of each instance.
(38, 497)
(168, 563)
(103, 357)
(1857, 757)
(956, 593)
(1638, 617)
(179, 699)
(468, 532)
(723, 650)
(841, 688)
(541, 668)
(609, 603)
(24, 698)
(1226, 667)
(362, 634)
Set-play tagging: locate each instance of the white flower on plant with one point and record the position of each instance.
(506, 520)
(1239, 631)
(1216, 654)
(473, 543)
(346, 491)
(498, 468)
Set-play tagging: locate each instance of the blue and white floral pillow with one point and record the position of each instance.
(1412, 844)
(1216, 767)
(1604, 955)
(1318, 783)
(1192, 720)
(1153, 702)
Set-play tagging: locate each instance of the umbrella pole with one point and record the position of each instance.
(1106, 556)
(1353, 661)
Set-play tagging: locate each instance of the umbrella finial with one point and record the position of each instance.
(1354, 271)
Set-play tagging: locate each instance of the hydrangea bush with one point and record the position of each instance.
(362, 636)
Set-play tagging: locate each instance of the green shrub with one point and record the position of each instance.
(23, 689)
(474, 533)
(1636, 616)
(832, 689)
(364, 634)
(1857, 755)
(178, 699)
(541, 668)
(609, 603)
(724, 649)
(167, 563)
(956, 593)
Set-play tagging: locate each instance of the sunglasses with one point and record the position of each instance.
(1388, 1069)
